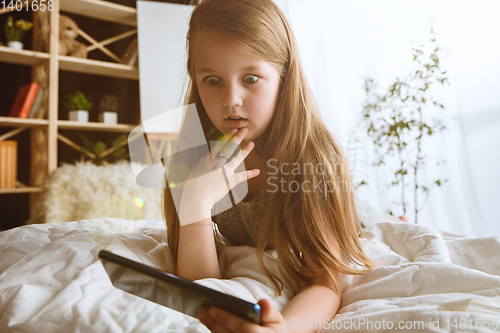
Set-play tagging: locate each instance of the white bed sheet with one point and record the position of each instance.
(52, 281)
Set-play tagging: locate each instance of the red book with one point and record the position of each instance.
(24, 100)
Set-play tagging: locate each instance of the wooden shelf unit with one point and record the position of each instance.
(70, 64)
(45, 132)
(23, 57)
(18, 122)
(96, 67)
(101, 10)
(93, 126)
(21, 190)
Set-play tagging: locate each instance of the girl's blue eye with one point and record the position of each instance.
(253, 78)
(250, 79)
(211, 80)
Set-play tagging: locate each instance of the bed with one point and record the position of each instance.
(52, 281)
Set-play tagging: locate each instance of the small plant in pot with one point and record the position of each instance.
(78, 106)
(15, 31)
(104, 153)
(109, 108)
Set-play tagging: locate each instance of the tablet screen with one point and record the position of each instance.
(170, 290)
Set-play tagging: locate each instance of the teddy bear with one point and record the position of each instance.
(68, 31)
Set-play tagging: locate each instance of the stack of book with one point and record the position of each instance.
(8, 164)
(28, 102)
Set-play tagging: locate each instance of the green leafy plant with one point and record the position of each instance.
(78, 101)
(402, 117)
(15, 31)
(109, 102)
(104, 154)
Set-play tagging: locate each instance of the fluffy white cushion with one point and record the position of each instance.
(84, 190)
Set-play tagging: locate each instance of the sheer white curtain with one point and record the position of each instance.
(341, 42)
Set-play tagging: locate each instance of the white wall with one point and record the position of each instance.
(343, 41)
(162, 29)
(340, 43)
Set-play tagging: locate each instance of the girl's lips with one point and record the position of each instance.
(235, 123)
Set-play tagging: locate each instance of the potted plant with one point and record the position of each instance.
(15, 31)
(399, 120)
(103, 153)
(109, 107)
(78, 106)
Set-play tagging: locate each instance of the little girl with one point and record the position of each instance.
(248, 86)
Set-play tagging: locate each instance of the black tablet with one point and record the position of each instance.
(170, 290)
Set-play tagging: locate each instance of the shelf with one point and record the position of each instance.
(97, 67)
(47, 133)
(66, 124)
(71, 64)
(101, 10)
(21, 190)
(17, 122)
(93, 126)
(22, 57)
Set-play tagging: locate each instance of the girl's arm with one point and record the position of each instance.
(310, 310)
(197, 255)
(313, 305)
(206, 185)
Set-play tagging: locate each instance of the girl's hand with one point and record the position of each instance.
(220, 321)
(212, 178)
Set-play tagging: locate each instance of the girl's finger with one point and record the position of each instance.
(214, 326)
(238, 159)
(224, 322)
(226, 146)
(240, 134)
(240, 177)
(228, 143)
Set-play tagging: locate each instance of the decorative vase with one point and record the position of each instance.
(108, 117)
(80, 116)
(8, 164)
(14, 44)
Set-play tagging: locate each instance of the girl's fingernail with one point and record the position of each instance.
(233, 131)
(257, 171)
(251, 144)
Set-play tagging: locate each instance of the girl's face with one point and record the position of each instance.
(237, 89)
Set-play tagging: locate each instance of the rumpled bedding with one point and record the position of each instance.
(51, 280)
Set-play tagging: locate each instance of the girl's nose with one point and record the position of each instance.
(232, 96)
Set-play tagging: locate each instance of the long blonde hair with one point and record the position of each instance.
(296, 222)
